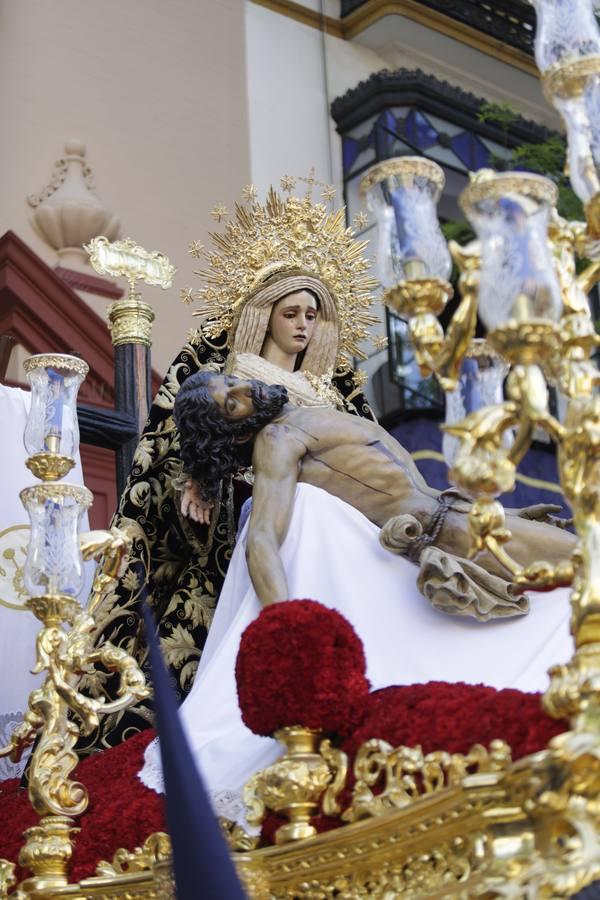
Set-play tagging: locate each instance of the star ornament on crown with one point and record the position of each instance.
(287, 233)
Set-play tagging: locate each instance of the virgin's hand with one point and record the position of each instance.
(193, 504)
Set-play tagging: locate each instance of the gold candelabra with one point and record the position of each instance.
(58, 711)
(520, 277)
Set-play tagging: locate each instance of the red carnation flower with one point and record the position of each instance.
(300, 663)
(453, 717)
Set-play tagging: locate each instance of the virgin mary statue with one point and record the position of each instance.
(277, 259)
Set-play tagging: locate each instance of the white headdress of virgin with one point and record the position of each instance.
(267, 252)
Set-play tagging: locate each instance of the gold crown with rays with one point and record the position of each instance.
(286, 233)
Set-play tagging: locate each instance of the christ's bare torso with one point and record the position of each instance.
(356, 460)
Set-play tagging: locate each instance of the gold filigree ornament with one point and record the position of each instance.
(130, 319)
(391, 778)
(287, 234)
(156, 848)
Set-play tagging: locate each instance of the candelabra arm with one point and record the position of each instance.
(485, 467)
(112, 548)
(589, 278)
(461, 330)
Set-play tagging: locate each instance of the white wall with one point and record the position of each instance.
(407, 44)
(290, 87)
(293, 75)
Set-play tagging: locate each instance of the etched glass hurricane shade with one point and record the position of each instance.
(402, 194)
(566, 30)
(510, 214)
(54, 563)
(581, 114)
(52, 425)
(480, 384)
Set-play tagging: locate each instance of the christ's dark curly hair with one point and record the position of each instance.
(208, 441)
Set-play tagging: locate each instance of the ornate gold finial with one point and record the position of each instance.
(287, 234)
(127, 259)
(130, 320)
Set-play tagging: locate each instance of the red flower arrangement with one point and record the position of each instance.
(122, 812)
(453, 717)
(300, 663)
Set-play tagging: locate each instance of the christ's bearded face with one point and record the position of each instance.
(247, 404)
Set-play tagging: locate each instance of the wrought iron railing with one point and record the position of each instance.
(509, 21)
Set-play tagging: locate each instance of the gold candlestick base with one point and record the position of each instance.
(292, 786)
(421, 295)
(47, 853)
(526, 343)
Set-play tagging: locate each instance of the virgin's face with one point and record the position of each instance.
(292, 321)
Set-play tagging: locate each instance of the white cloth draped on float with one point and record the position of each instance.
(332, 554)
(18, 629)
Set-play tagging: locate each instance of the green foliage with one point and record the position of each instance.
(501, 114)
(546, 158)
(457, 231)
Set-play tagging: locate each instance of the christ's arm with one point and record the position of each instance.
(275, 462)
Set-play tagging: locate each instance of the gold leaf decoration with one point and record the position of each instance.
(287, 233)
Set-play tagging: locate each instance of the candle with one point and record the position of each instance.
(54, 411)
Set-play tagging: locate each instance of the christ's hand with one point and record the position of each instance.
(544, 512)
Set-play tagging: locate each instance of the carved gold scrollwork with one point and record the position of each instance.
(156, 848)
(338, 763)
(405, 774)
(254, 878)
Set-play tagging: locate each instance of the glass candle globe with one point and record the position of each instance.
(480, 384)
(566, 30)
(575, 92)
(510, 213)
(54, 564)
(402, 193)
(52, 425)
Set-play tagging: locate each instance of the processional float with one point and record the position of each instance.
(431, 825)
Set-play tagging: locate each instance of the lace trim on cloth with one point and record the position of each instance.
(9, 769)
(151, 772)
(226, 803)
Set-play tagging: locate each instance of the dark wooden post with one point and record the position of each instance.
(130, 323)
(130, 327)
